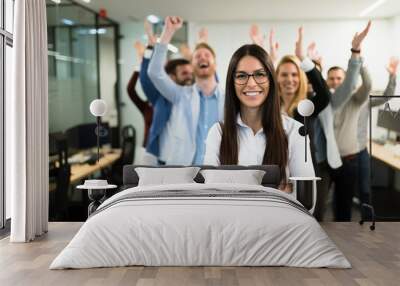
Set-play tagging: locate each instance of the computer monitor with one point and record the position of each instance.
(83, 136)
(55, 137)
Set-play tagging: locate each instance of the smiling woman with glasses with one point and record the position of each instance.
(254, 131)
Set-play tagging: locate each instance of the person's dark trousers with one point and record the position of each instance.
(345, 179)
(323, 170)
(364, 176)
(364, 181)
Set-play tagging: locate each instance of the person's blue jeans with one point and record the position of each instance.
(364, 182)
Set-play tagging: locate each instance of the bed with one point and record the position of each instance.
(201, 224)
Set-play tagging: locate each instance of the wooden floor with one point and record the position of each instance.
(375, 257)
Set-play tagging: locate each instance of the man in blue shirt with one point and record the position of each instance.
(195, 108)
(180, 71)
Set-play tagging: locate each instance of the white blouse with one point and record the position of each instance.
(252, 147)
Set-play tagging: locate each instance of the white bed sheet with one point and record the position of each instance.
(200, 231)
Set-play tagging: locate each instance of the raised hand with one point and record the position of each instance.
(185, 51)
(256, 36)
(273, 46)
(151, 38)
(392, 66)
(299, 44)
(139, 50)
(203, 36)
(313, 54)
(359, 37)
(171, 25)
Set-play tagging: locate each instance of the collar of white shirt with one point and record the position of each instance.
(240, 122)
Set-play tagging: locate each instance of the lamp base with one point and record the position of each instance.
(97, 196)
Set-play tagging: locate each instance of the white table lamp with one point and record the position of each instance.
(98, 108)
(305, 109)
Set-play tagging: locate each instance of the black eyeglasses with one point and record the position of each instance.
(259, 77)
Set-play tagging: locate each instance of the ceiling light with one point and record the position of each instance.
(56, 1)
(153, 19)
(97, 31)
(67, 22)
(101, 31)
(371, 8)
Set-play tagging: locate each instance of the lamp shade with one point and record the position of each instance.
(305, 107)
(98, 107)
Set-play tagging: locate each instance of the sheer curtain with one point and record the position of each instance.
(27, 123)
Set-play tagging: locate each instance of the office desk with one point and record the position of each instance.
(385, 189)
(81, 171)
(385, 155)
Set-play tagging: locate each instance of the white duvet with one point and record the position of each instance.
(200, 231)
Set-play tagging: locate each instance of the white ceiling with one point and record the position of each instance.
(243, 10)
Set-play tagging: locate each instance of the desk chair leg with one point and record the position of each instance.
(371, 208)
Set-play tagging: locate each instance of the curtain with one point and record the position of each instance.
(27, 124)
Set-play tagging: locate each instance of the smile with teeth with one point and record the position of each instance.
(203, 65)
(252, 93)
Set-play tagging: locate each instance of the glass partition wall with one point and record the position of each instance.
(82, 58)
(82, 52)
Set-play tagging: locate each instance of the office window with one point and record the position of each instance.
(6, 43)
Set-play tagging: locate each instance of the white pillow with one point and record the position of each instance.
(248, 177)
(166, 176)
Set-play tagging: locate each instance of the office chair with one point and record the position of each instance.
(128, 145)
(127, 156)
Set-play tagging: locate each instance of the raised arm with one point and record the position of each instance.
(322, 93)
(259, 39)
(362, 93)
(131, 89)
(391, 86)
(392, 69)
(343, 93)
(148, 87)
(202, 36)
(313, 54)
(165, 85)
(273, 46)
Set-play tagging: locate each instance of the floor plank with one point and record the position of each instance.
(374, 255)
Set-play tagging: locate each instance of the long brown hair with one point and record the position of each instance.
(276, 148)
(301, 92)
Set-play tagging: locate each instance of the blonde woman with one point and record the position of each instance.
(292, 84)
